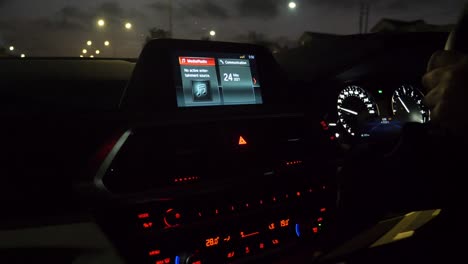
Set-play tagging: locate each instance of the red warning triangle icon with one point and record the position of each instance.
(242, 141)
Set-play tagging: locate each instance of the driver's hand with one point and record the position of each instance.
(446, 84)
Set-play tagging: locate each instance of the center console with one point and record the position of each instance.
(217, 165)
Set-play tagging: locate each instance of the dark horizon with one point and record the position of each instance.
(52, 28)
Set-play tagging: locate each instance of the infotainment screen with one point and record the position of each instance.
(204, 79)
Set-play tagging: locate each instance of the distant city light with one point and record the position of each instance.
(212, 33)
(81, 56)
(23, 55)
(106, 43)
(12, 48)
(292, 5)
(89, 43)
(92, 56)
(128, 25)
(84, 51)
(98, 51)
(101, 22)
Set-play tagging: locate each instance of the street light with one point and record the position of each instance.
(81, 56)
(128, 25)
(212, 33)
(92, 56)
(106, 43)
(98, 51)
(23, 55)
(101, 22)
(89, 43)
(85, 51)
(292, 5)
(12, 48)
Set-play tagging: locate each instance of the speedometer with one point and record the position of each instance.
(356, 108)
(407, 105)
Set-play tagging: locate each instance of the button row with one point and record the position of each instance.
(175, 217)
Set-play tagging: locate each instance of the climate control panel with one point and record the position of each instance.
(215, 228)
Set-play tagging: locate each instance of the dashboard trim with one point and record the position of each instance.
(98, 179)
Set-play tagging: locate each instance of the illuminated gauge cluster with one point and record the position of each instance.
(366, 112)
(407, 105)
(356, 108)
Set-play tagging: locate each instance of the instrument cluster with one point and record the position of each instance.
(365, 112)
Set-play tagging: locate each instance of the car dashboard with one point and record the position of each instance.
(208, 160)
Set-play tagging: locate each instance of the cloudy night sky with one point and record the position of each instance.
(62, 27)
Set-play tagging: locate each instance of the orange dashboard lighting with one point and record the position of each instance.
(262, 246)
(231, 254)
(248, 235)
(211, 242)
(322, 210)
(242, 141)
(272, 226)
(298, 194)
(275, 241)
(197, 262)
(284, 223)
(227, 239)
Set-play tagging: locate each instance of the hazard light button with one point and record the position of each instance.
(242, 141)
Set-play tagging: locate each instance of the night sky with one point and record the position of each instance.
(62, 27)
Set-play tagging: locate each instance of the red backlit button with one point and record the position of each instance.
(143, 216)
(172, 218)
(247, 250)
(147, 225)
(163, 261)
(154, 252)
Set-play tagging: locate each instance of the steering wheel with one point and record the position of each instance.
(413, 177)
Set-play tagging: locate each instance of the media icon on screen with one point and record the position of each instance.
(201, 91)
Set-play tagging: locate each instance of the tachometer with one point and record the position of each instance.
(356, 108)
(407, 105)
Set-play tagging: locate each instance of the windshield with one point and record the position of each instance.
(105, 29)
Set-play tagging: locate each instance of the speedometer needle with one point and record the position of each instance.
(349, 111)
(404, 105)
